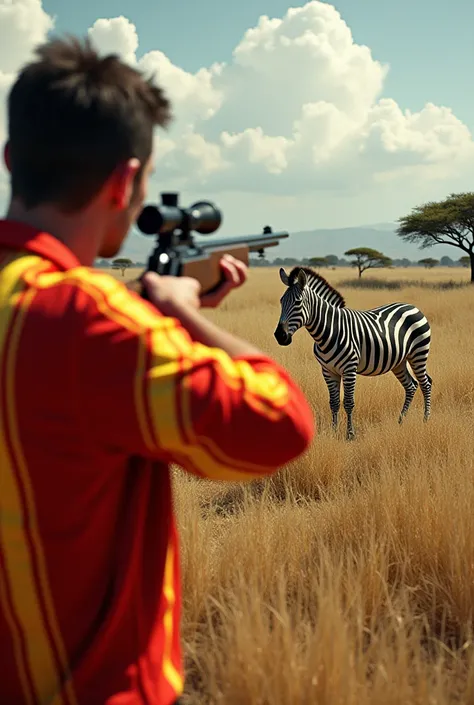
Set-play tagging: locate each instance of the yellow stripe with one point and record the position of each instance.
(214, 464)
(15, 633)
(30, 501)
(171, 674)
(161, 388)
(268, 386)
(218, 465)
(20, 574)
(132, 313)
(162, 396)
(140, 394)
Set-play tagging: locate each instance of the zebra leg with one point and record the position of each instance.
(349, 382)
(333, 381)
(409, 384)
(425, 382)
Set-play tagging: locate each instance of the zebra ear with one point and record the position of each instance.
(284, 277)
(302, 279)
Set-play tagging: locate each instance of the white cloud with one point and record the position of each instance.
(297, 110)
(23, 24)
(194, 95)
(116, 36)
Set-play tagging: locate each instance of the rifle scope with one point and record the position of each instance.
(203, 217)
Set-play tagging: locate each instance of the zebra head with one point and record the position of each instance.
(294, 313)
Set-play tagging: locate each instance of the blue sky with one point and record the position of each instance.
(312, 143)
(428, 44)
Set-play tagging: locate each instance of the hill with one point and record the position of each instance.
(320, 242)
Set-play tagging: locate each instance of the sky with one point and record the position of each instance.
(300, 116)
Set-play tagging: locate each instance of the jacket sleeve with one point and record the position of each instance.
(151, 390)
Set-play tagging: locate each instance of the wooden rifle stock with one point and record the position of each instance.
(207, 270)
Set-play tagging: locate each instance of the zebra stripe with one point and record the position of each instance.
(349, 342)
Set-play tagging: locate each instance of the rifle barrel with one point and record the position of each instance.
(254, 242)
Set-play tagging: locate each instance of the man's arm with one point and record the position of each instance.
(179, 298)
(200, 397)
(232, 417)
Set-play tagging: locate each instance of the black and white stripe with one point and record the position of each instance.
(349, 342)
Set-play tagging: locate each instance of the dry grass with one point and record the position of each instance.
(349, 576)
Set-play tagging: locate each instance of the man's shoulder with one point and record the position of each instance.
(92, 293)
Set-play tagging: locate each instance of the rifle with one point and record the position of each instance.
(178, 253)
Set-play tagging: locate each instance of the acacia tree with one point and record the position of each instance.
(367, 258)
(122, 263)
(464, 261)
(428, 262)
(448, 222)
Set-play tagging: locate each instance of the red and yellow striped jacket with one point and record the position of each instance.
(99, 393)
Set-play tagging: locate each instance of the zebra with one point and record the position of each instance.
(348, 342)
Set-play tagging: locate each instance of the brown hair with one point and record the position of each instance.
(73, 117)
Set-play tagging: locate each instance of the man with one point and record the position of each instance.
(101, 391)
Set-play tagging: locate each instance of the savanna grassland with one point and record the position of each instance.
(347, 578)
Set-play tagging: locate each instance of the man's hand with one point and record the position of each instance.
(181, 298)
(235, 273)
(173, 294)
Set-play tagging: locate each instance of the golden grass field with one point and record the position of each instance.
(347, 578)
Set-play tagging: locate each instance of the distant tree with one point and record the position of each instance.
(332, 260)
(428, 262)
(464, 261)
(448, 222)
(367, 258)
(318, 262)
(258, 262)
(401, 262)
(446, 261)
(122, 263)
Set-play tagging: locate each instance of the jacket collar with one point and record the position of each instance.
(19, 236)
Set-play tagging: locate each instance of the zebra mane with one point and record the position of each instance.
(319, 285)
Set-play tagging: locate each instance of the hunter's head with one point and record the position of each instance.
(80, 138)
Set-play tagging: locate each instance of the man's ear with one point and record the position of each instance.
(6, 156)
(122, 183)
